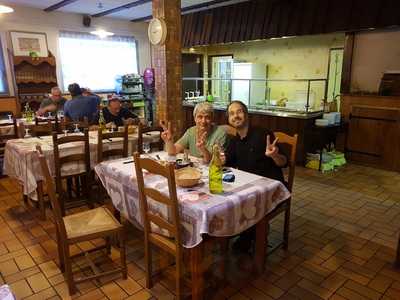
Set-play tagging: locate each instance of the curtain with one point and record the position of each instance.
(95, 62)
(3, 74)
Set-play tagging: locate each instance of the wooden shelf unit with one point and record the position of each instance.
(34, 76)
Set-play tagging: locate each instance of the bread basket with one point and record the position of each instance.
(187, 177)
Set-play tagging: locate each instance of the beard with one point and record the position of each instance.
(238, 123)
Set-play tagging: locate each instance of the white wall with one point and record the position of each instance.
(374, 53)
(36, 20)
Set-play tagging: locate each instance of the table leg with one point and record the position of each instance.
(261, 245)
(196, 256)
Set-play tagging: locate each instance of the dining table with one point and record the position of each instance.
(20, 156)
(244, 203)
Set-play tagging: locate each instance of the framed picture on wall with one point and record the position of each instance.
(29, 43)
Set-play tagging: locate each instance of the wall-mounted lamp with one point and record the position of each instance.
(5, 9)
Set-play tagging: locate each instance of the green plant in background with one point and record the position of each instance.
(33, 54)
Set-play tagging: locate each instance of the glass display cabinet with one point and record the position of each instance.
(296, 96)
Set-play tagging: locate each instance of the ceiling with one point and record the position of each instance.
(137, 9)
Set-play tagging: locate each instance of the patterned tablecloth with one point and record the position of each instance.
(21, 162)
(243, 203)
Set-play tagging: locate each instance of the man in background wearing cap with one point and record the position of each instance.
(115, 114)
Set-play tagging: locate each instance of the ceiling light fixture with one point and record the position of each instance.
(102, 33)
(5, 9)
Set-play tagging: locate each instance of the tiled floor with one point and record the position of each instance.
(344, 230)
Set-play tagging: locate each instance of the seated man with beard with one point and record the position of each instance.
(252, 150)
(200, 138)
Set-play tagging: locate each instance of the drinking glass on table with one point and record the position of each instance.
(9, 118)
(65, 132)
(27, 133)
(146, 148)
(76, 130)
(60, 114)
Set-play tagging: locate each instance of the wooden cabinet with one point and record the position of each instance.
(374, 130)
(34, 77)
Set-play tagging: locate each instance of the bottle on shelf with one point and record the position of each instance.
(215, 171)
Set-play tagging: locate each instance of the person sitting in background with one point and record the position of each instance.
(198, 139)
(52, 104)
(115, 114)
(88, 92)
(80, 106)
(255, 151)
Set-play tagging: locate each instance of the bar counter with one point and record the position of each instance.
(290, 122)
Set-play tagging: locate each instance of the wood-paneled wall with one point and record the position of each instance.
(10, 104)
(374, 130)
(262, 19)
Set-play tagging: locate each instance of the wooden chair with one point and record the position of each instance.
(8, 131)
(142, 130)
(286, 141)
(42, 128)
(84, 176)
(11, 132)
(104, 154)
(55, 126)
(80, 227)
(70, 125)
(170, 245)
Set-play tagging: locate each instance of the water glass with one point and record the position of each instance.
(9, 118)
(60, 114)
(146, 148)
(27, 133)
(65, 132)
(77, 128)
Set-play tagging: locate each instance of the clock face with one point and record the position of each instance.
(157, 31)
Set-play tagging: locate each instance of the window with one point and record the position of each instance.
(3, 74)
(94, 62)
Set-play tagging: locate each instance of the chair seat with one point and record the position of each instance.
(89, 222)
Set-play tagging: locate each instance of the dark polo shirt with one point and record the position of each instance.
(248, 154)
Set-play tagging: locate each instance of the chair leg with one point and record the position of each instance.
(398, 254)
(122, 254)
(148, 261)
(286, 226)
(68, 270)
(60, 252)
(42, 207)
(179, 277)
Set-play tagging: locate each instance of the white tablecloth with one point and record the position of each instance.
(243, 203)
(21, 162)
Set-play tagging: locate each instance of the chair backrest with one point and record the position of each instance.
(168, 171)
(104, 154)
(70, 125)
(59, 161)
(291, 142)
(55, 126)
(55, 204)
(10, 134)
(42, 128)
(142, 131)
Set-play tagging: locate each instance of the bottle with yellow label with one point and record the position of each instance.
(215, 172)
